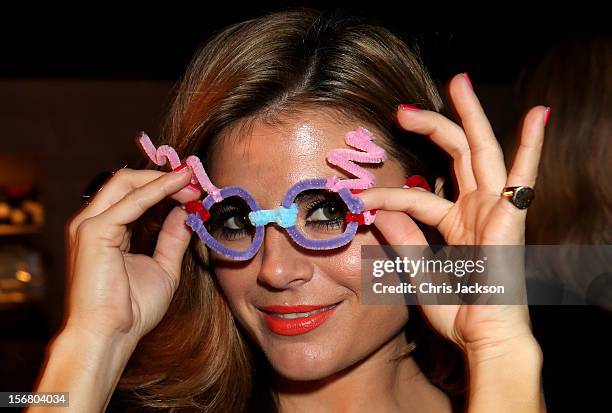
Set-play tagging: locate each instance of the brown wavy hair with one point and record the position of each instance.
(198, 358)
(574, 201)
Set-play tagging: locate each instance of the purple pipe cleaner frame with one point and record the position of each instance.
(354, 204)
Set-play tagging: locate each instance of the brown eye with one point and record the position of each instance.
(329, 211)
(229, 216)
(236, 222)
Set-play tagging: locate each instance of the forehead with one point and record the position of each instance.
(270, 158)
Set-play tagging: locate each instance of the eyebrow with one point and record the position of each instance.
(309, 194)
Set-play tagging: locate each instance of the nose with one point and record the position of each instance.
(282, 266)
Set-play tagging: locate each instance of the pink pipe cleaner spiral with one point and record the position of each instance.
(165, 153)
(361, 139)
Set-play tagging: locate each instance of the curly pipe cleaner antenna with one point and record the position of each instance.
(165, 153)
(361, 139)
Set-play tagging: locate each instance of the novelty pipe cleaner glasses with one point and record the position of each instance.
(318, 214)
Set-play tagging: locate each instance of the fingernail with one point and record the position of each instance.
(467, 77)
(180, 167)
(546, 115)
(405, 106)
(417, 181)
(194, 187)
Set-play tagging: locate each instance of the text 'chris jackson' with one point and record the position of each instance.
(426, 276)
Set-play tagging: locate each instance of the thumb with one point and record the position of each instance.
(172, 243)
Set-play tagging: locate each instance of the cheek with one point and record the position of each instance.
(385, 320)
(235, 282)
(347, 267)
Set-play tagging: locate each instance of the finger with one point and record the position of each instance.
(524, 169)
(486, 153)
(126, 180)
(424, 206)
(446, 134)
(111, 223)
(121, 183)
(399, 229)
(172, 242)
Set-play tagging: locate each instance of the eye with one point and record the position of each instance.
(328, 210)
(236, 222)
(229, 219)
(323, 210)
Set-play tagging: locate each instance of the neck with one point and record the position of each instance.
(383, 382)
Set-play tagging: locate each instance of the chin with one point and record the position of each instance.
(304, 361)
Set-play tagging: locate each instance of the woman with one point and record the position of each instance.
(261, 105)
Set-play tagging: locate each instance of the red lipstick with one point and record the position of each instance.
(293, 320)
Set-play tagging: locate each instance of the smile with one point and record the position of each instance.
(296, 320)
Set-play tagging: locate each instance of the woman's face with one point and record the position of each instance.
(267, 163)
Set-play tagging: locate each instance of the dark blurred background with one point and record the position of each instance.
(75, 89)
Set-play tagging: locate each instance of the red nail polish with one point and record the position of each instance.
(546, 115)
(356, 191)
(405, 106)
(194, 187)
(467, 77)
(180, 167)
(419, 181)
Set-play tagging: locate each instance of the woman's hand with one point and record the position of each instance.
(504, 359)
(479, 216)
(111, 291)
(115, 297)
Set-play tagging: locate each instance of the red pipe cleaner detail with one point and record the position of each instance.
(350, 217)
(196, 207)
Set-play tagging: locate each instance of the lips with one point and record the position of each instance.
(296, 319)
